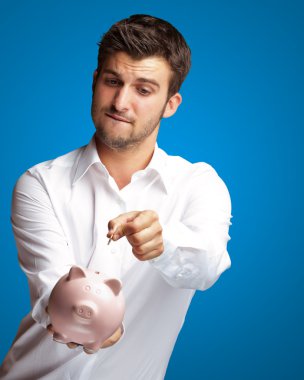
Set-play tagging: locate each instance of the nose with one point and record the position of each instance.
(121, 100)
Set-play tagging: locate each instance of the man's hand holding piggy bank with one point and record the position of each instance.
(86, 309)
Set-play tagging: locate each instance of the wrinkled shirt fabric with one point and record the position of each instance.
(60, 214)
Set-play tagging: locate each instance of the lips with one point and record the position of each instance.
(116, 117)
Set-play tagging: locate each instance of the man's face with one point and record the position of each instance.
(129, 99)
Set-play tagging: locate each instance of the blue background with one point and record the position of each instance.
(242, 113)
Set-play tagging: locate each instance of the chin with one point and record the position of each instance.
(116, 143)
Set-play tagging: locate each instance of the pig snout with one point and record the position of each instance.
(84, 311)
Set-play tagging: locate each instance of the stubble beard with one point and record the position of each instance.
(120, 143)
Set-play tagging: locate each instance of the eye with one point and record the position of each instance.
(111, 82)
(143, 91)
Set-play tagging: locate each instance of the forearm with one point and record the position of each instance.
(193, 259)
(195, 241)
(43, 252)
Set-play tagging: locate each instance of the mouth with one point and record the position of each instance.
(118, 118)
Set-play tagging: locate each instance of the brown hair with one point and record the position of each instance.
(143, 36)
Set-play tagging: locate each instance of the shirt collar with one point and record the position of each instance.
(89, 157)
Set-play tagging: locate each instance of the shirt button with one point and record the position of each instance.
(122, 205)
(113, 250)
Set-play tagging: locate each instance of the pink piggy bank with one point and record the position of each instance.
(86, 308)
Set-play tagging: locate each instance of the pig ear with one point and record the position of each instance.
(76, 272)
(114, 284)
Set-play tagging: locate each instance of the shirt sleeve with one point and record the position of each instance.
(195, 246)
(43, 250)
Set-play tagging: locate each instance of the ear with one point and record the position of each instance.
(76, 272)
(172, 105)
(114, 284)
(95, 75)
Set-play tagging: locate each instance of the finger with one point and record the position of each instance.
(50, 329)
(113, 338)
(144, 219)
(107, 343)
(89, 351)
(148, 251)
(115, 226)
(72, 345)
(151, 233)
(150, 255)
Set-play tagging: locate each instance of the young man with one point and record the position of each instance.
(168, 219)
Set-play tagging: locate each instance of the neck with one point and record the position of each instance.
(122, 164)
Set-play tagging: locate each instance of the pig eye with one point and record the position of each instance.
(87, 288)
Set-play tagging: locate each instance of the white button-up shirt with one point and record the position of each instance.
(60, 214)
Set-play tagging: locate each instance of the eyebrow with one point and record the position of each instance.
(141, 79)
